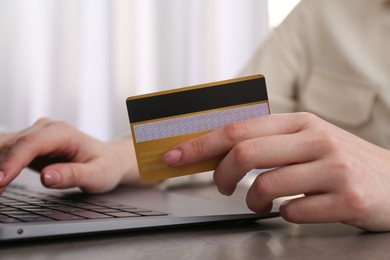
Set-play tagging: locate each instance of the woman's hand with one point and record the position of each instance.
(66, 157)
(344, 178)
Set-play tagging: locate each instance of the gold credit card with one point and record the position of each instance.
(161, 120)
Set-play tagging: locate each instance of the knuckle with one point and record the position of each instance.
(307, 118)
(46, 123)
(356, 200)
(353, 194)
(235, 131)
(264, 185)
(291, 213)
(73, 176)
(198, 146)
(43, 121)
(24, 139)
(243, 153)
(59, 124)
(11, 159)
(328, 141)
(342, 170)
(7, 146)
(343, 166)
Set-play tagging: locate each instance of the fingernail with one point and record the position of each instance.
(2, 175)
(51, 178)
(172, 157)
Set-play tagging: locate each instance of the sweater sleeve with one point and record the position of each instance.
(283, 59)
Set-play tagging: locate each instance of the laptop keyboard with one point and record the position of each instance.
(20, 205)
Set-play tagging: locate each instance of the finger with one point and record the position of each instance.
(288, 181)
(320, 208)
(69, 175)
(335, 207)
(39, 124)
(262, 153)
(221, 140)
(33, 145)
(4, 138)
(7, 140)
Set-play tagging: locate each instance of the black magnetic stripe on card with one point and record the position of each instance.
(197, 99)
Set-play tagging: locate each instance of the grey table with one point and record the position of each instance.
(267, 239)
(264, 239)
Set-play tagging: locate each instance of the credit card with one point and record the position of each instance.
(161, 120)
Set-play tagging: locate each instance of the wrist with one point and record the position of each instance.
(125, 155)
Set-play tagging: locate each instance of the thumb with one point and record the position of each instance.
(70, 175)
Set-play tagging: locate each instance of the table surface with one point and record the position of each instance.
(264, 239)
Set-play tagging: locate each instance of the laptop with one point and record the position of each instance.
(30, 211)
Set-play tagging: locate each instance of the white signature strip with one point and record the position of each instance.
(196, 123)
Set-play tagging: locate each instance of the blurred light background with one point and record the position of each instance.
(78, 60)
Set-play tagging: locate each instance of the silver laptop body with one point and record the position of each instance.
(71, 212)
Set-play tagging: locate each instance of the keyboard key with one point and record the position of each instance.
(35, 219)
(123, 214)
(58, 215)
(91, 215)
(22, 205)
(5, 219)
(152, 213)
